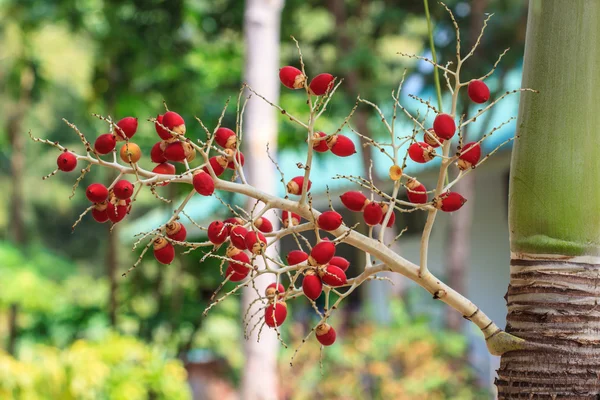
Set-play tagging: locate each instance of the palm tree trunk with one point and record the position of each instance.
(554, 223)
(262, 20)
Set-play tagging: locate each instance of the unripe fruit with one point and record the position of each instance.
(322, 253)
(354, 201)
(128, 126)
(238, 265)
(176, 231)
(286, 216)
(274, 289)
(321, 84)
(372, 214)
(157, 154)
(263, 225)
(239, 157)
(123, 189)
(292, 77)
(99, 212)
(444, 126)
(203, 183)
(449, 201)
(234, 276)
(96, 193)
(421, 152)
(237, 235)
(295, 185)
(390, 221)
(478, 91)
(275, 314)
(105, 143)
(469, 155)
(429, 138)
(117, 212)
(255, 242)
(333, 276)
(329, 221)
(226, 138)
(417, 193)
(320, 146)
(130, 152)
(325, 334)
(217, 232)
(395, 172)
(66, 161)
(341, 145)
(216, 165)
(164, 252)
(162, 132)
(312, 286)
(175, 152)
(296, 257)
(174, 122)
(340, 262)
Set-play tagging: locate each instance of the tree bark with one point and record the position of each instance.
(262, 21)
(555, 231)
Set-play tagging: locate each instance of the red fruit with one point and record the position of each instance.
(162, 132)
(274, 289)
(449, 201)
(157, 154)
(341, 145)
(275, 314)
(173, 121)
(320, 146)
(340, 262)
(176, 231)
(325, 334)
(238, 265)
(164, 169)
(354, 201)
(99, 212)
(175, 152)
(295, 218)
(215, 163)
(217, 232)
(444, 126)
(321, 84)
(421, 152)
(390, 221)
(123, 189)
(295, 257)
(333, 276)
(96, 193)
(239, 157)
(255, 242)
(66, 161)
(469, 155)
(235, 276)
(372, 214)
(322, 253)
(417, 193)
(128, 126)
(203, 183)
(478, 91)
(329, 221)
(292, 77)
(116, 213)
(237, 235)
(429, 138)
(226, 138)
(263, 225)
(105, 143)
(164, 252)
(312, 286)
(295, 185)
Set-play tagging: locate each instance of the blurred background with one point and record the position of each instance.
(72, 328)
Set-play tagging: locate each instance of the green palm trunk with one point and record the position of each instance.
(554, 207)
